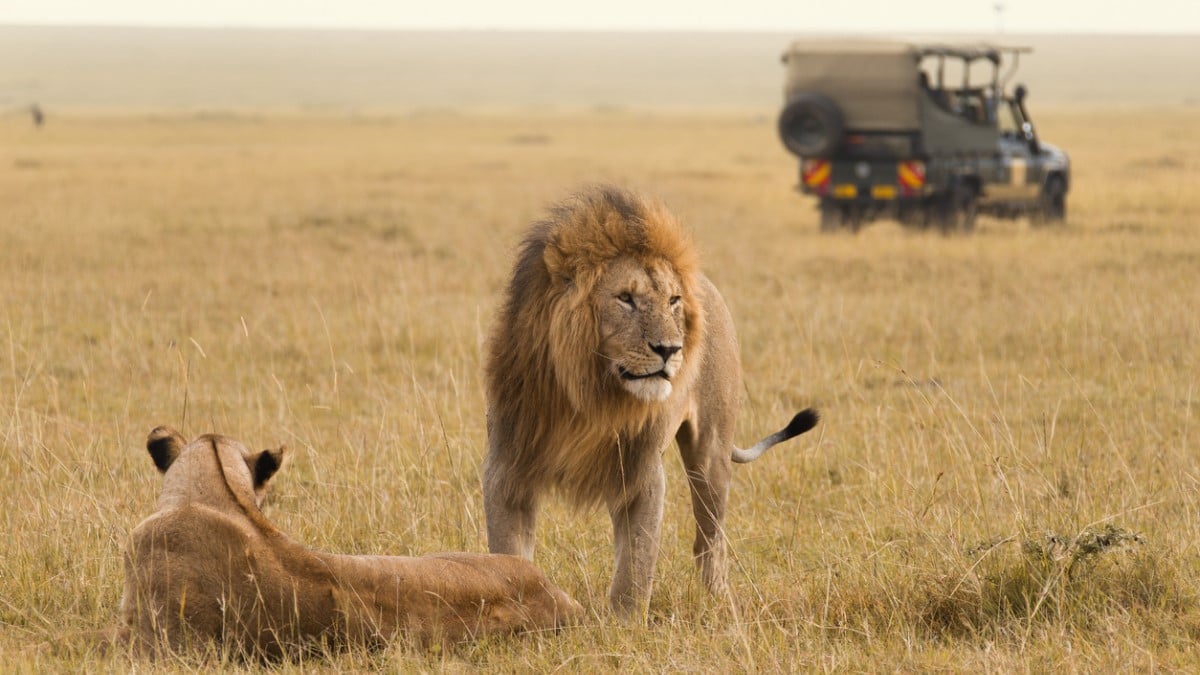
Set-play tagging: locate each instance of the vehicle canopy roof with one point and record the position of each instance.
(874, 82)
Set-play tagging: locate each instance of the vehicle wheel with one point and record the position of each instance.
(1052, 204)
(966, 208)
(855, 218)
(957, 209)
(930, 215)
(811, 125)
(912, 216)
(836, 217)
(833, 217)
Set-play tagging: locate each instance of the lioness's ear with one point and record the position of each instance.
(266, 464)
(164, 444)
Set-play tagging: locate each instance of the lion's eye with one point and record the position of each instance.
(675, 300)
(626, 298)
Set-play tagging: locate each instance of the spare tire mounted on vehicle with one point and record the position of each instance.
(811, 125)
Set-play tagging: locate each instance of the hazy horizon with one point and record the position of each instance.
(815, 32)
(147, 68)
(959, 16)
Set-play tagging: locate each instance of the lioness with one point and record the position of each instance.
(609, 343)
(209, 567)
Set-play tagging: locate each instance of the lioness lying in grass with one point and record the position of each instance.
(209, 569)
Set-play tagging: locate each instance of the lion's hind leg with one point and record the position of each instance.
(706, 460)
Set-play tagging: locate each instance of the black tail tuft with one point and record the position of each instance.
(803, 421)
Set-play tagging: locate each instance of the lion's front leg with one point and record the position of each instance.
(511, 514)
(637, 526)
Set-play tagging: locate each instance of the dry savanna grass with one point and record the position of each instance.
(1005, 477)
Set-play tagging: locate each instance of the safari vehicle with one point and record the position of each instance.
(881, 131)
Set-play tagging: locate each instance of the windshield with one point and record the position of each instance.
(1009, 119)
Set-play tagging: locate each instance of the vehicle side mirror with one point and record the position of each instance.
(1020, 92)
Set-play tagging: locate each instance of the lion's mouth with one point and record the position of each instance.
(626, 375)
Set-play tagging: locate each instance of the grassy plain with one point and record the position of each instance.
(328, 282)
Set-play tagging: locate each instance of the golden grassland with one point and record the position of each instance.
(328, 282)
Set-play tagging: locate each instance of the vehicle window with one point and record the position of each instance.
(972, 105)
(1009, 124)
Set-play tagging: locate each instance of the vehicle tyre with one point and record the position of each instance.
(836, 217)
(966, 208)
(811, 125)
(831, 217)
(856, 217)
(930, 215)
(1052, 204)
(912, 216)
(957, 209)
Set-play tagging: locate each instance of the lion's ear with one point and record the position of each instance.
(266, 464)
(164, 445)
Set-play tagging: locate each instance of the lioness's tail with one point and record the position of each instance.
(803, 421)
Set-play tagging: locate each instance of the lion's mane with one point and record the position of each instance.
(545, 382)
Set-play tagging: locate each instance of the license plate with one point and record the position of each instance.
(883, 192)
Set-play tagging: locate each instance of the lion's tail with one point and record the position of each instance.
(803, 421)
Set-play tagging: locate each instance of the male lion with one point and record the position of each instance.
(209, 567)
(609, 343)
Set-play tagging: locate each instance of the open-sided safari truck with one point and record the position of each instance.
(882, 131)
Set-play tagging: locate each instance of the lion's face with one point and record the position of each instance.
(641, 312)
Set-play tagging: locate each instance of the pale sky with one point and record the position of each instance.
(843, 16)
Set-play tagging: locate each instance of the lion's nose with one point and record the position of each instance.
(665, 351)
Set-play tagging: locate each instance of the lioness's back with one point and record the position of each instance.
(196, 572)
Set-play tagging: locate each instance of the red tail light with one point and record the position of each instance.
(816, 174)
(911, 176)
